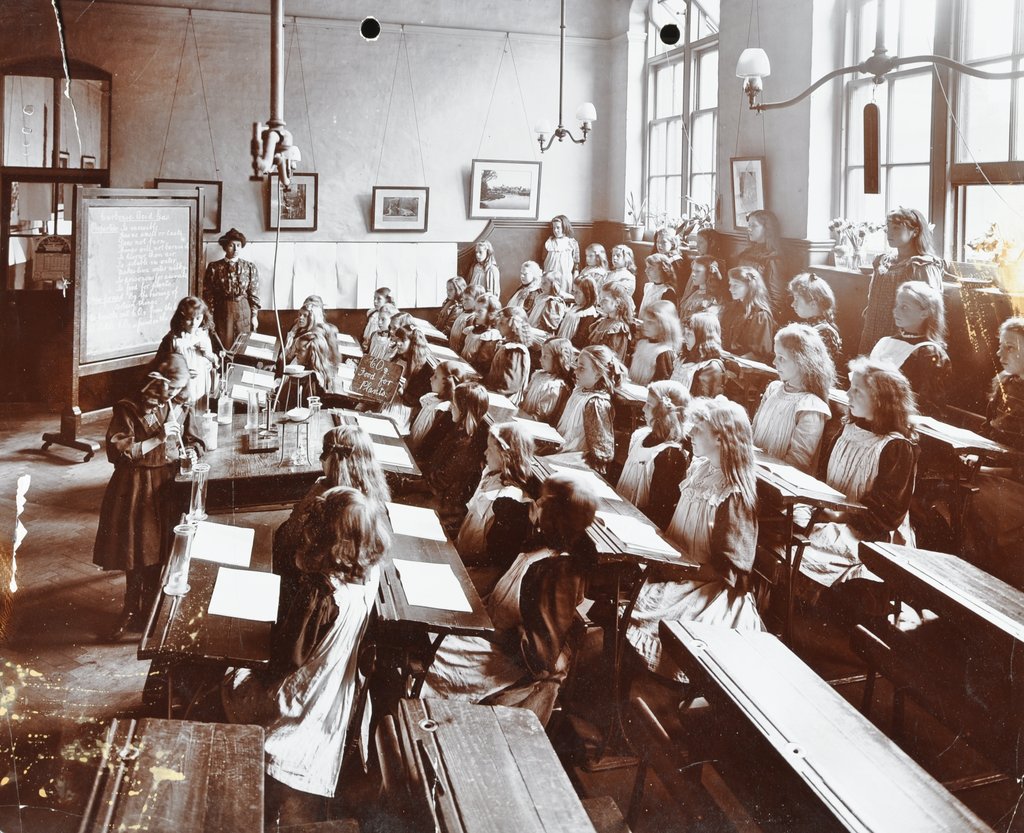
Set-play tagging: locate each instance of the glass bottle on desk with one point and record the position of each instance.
(197, 503)
(225, 404)
(252, 410)
(314, 431)
(177, 564)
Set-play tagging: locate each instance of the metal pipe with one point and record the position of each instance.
(276, 64)
(880, 28)
(561, 64)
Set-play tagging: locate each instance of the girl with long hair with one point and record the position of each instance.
(579, 319)
(655, 353)
(747, 322)
(587, 422)
(550, 386)
(699, 367)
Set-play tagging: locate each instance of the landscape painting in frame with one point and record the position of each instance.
(505, 189)
(399, 208)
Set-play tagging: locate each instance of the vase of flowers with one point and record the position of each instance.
(850, 251)
(637, 214)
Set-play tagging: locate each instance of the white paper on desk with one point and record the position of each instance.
(258, 353)
(636, 534)
(499, 400)
(431, 585)
(263, 380)
(347, 372)
(345, 338)
(246, 594)
(442, 352)
(416, 522)
(350, 350)
(377, 426)
(633, 391)
(591, 479)
(223, 544)
(428, 328)
(262, 338)
(539, 430)
(800, 481)
(394, 454)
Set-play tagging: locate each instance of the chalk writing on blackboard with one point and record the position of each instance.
(137, 268)
(376, 379)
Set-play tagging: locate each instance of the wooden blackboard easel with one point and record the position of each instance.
(137, 252)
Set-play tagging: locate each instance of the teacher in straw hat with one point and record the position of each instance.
(231, 289)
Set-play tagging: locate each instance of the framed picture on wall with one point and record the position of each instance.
(295, 208)
(88, 162)
(399, 208)
(504, 188)
(747, 187)
(213, 191)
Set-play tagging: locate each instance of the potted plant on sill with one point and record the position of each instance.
(637, 214)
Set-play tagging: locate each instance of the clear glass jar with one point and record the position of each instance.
(197, 502)
(178, 563)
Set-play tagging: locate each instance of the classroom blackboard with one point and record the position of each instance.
(137, 259)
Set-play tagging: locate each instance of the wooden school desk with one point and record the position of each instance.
(982, 642)
(804, 756)
(242, 478)
(169, 776)
(181, 634)
(403, 628)
(782, 487)
(460, 768)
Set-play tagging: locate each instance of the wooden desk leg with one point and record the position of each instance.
(616, 729)
(787, 626)
(417, 683)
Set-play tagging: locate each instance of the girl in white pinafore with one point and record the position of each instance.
(443, 380)
(791, 418)
(873, 462)
(655, 353)
(715, 524)
(587, 423)
(657, 462)
(306, 712)
(550, 387)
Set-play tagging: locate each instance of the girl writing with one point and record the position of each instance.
(304, 699)
(794, 408)
(661, 337)
(579, 320)
(526, 295)
(485, 272)
(658, 454)
(919, 351)
(747, 323)
(147, 435)
(562, 252)
(700, 367)
(614, 328)
(452, 305)
(510, 368)
(715, 524)
(550, 386)
(815, 304)
(914, 259)
(533, 606)
(587, 422)
(872, 462)
(455, 461)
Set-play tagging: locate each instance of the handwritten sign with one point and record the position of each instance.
(376, 379)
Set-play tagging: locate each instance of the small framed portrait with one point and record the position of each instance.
(747, 187)
(212, 193)
(504, 188)
(399, 208)
(293, 208)
(88, 162)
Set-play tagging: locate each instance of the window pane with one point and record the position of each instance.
(908, 186)
(702, 139)
(984, 118)
(861, 206)
(707, 80)
(988, 204)
(707, 20)
(702, 190)
(656, 152)
(917, 30)
(28, 121)
(673, 196)
(1018, 151)
(911, 113)
(663, 91)
(655, 195)
(989, 28)
(861, 94)
(674, 148)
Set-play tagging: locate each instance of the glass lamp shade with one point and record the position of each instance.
(586, 112)
(543, 128)
(753, 61)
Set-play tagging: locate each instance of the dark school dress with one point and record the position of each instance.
(231, 289)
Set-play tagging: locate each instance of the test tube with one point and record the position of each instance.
(177, 564)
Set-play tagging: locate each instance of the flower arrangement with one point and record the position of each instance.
(991, 246)
(855, 234)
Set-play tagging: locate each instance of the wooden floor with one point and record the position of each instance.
(60, 681)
